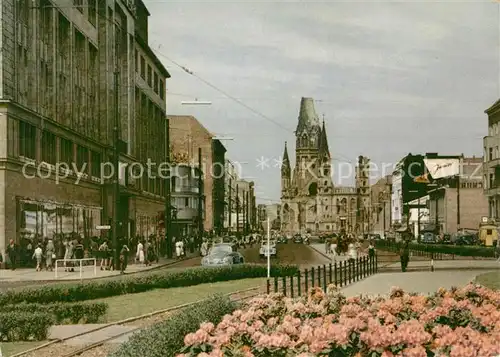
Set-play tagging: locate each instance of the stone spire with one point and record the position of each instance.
(285, 165)
(324, 151)
(307, 115)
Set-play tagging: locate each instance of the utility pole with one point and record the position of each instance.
(458, 202)
(237, 209)
(229, 206)
(200, 199)
(248, 216)
(168, 207)
(116, 168)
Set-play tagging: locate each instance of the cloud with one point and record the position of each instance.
(392, 77)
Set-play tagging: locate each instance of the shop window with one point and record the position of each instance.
(27, 140)
(49, 150)
(95, 163)
(82, 159)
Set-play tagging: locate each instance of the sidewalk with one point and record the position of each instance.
(419, 282)
(30, 275)
(447, 265)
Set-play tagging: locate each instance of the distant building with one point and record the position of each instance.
(380, 198)
(492, 161)
(231, 177)
(309, 200)
(261, 213)
(219, 185)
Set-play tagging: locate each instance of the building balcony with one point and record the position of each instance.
(493, 163)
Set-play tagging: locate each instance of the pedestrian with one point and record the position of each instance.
(68, 255)
(204, 248)
(327, 245)
(38, 255)
(12, 252)
(333, 250)
(371, 250)
(353, 253)
(139, 254)
(50, 255)
(103, 252)
(178, 248)
(124, 258)
(404, 255)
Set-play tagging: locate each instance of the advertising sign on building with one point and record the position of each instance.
(441, 168)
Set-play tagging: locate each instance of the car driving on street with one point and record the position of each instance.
(222, 254)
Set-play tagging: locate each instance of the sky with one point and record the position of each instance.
(390, 78)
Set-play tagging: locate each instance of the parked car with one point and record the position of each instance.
(467, 239)
(446, 239)
(222, 254)
(298, 239)
(266, 250)
(428, 238)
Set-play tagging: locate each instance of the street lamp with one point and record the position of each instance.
(196, 102)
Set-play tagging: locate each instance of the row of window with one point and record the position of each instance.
(147, 73)
(89, 7)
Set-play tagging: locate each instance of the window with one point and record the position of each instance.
(162, 89)
(143, 68)
(79, 5)
(490, 156)
(186, 201)
(95, 163)
(49, 151)
(155, 84)
(136, 61)
(92, 15)
(27, 140)
(173, 181)
(66, 151)
(150, 76)
(492, 181)
(82, 159)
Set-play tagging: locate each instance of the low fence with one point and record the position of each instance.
(340, 273)
(80, 263)
(438, 251)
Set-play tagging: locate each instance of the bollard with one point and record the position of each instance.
(432, 264)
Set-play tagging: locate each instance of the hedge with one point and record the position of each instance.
(167, 337)
(459, 250)
(25, 326)
(63, 313)
(129, 285)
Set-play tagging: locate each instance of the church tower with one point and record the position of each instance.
(307, 135)
(286, 173)
(325, 163)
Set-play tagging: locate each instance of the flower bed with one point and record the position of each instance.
(459, 322)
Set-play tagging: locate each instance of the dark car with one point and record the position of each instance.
(298, 239)
(428, 238)
(282, 239)
(222, 254)
(467, 239)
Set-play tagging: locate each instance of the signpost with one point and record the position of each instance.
(271, 216)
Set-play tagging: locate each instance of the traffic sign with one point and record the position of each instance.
(102, 228)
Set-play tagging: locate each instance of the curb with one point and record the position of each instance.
(395, 269)
(53, 281)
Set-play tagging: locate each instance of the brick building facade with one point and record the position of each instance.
(187, 135)
(57, 106)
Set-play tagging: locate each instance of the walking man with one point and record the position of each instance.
(404, 256)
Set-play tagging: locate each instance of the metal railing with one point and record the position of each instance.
(72, 266)
(340, 274)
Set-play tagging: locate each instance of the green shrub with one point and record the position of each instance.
(167, 338)
(129, 285)
(63, 313)
(440, 249)
(25, 326)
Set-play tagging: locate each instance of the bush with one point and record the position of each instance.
(428, 249)
(25, 326)
(129, 285)
(63, 313)
(166, 338)
(459, 323)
